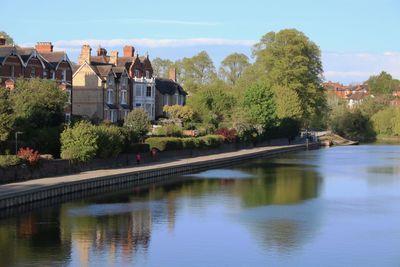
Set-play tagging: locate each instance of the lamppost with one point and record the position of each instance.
(16, 141)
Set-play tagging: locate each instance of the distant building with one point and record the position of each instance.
(108, 87)
(38, 62)
(352, 94)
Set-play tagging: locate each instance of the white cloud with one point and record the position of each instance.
(357, 67)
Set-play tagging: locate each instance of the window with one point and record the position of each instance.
(147, 74)
(52, 74)
(166, 100)
(69, 93)
(138, 105)
(148, 91)
(110, 80)
(136, 73)
(45, 73)
(67, 117)
(126, 113)
(33, 72)
(12, 71)
(110, 96)
(123, 97)
(63, 75)
(138, 90)
(124, 83)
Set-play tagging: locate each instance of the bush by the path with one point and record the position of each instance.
(9, 160)
(109, 142)
(173, 143)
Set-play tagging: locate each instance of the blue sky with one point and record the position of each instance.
(357, 38)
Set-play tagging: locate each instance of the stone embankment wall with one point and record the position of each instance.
(151, 175)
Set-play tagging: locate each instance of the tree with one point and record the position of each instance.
(287, 103)
(161, 67)
(9, 39)
(137, 124)
(6, 115)
(233, 66)
(110, 141)
(260, 105)
(79, 142)
(182, 113)
(213, 103)
(292, 61)
(38, 103)
(195, 71)
(382, 84)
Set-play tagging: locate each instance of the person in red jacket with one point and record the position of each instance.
(138, 158)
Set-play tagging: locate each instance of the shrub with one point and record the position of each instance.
(109, 142)
(230, 135)
(169, 130)
(189, 143)
(164, 143)
(79, 142)
(212, 141)
(29, 155)
(9, 160)
(138, 123)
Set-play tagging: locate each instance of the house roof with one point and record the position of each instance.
(167, 86)
(102, 70)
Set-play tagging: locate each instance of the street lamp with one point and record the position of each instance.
(16, 141)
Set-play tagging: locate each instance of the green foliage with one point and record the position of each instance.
(195, 71)
(290, 60)
(137, 124)
(287, 103)
(260, 105)
(38, 103)
(79, 142)
(382, 84)
(387, 122)
(178, 112)
(164, 143)
(161, 67)
(289, 128)
(9, 160)
(168, 130)
(232, 67)
(372, 105)
(213, 103)
(173, 143)
(138, 148)
(352, 125)
(46, 140)
(6, 115)
(110, 141)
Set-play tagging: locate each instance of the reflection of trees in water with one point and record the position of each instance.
(33, 237)
(278, 184)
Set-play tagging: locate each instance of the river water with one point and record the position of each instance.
(327, 207)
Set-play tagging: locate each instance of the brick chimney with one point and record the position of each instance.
(85, 54)
(44, 47)
(101, 51)
(114, 57)
(172, 74)
(129, 51)
(2, 40)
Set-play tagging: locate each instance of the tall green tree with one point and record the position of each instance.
(260, 104)
(291, 61)
(38, 103)
(195, 71)
(233, 66)
(6, 115)
(382, 84)
(137, 124)
(9, 39)
(213, 103)
(161, 67)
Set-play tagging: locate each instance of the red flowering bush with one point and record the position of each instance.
(29, 155)
(230, 135)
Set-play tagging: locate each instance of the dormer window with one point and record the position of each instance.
(110, 80)
(63, 75)
(147, 74)
(12, 71)
(45, 73)
(123, 97)
(136, 73)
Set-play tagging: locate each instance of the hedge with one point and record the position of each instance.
(173, 143)
(9, 160)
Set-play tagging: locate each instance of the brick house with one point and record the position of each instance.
(109, 86)
(38, 62)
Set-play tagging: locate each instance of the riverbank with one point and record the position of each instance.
(17, 194)
(331, 139)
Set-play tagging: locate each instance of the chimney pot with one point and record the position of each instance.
(172, 74)
(129, 51)
(44, 47)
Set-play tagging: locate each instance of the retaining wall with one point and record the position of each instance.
(156, 174)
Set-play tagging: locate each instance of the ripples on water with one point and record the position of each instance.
(329, 207)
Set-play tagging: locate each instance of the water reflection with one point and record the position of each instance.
(117, 229)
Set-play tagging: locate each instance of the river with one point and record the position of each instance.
(327, 207)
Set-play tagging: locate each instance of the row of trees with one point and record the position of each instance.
(282, 85)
